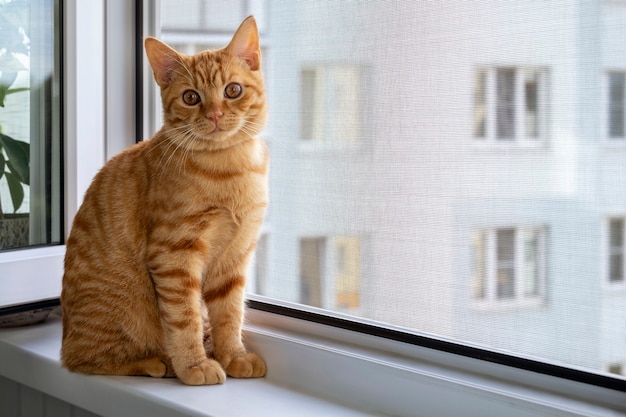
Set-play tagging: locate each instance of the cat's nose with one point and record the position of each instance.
(214, 115)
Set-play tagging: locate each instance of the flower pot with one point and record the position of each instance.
(14, 231)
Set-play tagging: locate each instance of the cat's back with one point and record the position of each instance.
(120, 180)
(105, 284)
(109, 219)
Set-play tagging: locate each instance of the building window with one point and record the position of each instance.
(330, 103)
(510, 105)
(616, 98)
(616, 256)
(330, 272)
(508, 264)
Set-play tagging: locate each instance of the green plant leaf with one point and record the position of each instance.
(16, 190)
(3, 163)
(18, 154)
(17, 90)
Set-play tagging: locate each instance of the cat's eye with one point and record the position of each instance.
(233, 90)
(191, 97)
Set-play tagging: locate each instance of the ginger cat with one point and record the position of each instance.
(156, 258)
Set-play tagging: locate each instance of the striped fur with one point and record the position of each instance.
(156, 258)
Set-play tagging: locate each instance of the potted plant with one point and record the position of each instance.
(14, 168)
(14, 154)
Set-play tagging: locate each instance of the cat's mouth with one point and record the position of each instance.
(214, 133)
(208, 131)
(223, 131)
(217, 132)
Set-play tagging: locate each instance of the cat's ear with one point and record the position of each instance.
(245, 44)
(163, 59)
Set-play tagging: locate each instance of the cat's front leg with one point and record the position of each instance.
(179, 299)
(225, 303)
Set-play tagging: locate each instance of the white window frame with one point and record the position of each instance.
(490, 300)
(98, 118)
(397, 378)
(520, 139)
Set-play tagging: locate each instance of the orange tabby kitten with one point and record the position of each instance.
(166, 229)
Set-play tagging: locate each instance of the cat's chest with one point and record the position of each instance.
(233, 181)
(234, 188)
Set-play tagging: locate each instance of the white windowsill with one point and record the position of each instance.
(30, 356)
(309, 375)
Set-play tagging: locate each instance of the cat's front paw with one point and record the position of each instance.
(248, 366)
(208, 372)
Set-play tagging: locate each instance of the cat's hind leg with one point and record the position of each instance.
(152, 366)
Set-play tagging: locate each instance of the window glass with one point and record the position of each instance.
(617, 83)
(505, 96)
(616, 250)
(479, 284)
(531, 96)
(533, 253)
(402, 187)
(505, 279)
(30, 139)
(480, 103)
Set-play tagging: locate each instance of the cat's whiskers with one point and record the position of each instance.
(182, 145)
(168, 142)
(250, 128)
(177, 141)
(165, 134)
(249, 134)
(190, 140)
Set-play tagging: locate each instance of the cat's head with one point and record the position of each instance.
(215, 97)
